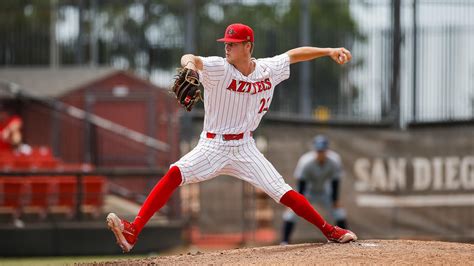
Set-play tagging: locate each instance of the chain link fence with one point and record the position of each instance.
(434, 80)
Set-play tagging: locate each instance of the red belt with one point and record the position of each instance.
(227, 137)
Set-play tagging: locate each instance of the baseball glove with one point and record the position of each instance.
(186, 88)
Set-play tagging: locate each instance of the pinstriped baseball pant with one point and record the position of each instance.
(242, 159)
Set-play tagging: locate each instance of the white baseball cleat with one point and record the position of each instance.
(341, 235)
(124, 232)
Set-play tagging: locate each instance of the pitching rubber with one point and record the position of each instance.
(116, 226)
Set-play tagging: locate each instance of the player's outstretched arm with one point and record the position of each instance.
(191, 61)
(339, 55)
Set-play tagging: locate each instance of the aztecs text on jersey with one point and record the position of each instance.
(235, 103)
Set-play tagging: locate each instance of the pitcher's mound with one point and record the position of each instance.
(381, 252)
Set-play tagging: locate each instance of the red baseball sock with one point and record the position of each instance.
(158, 196)
(301, 206)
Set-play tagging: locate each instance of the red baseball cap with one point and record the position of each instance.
(237, 33)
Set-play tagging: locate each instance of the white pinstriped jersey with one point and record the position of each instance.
(235, 103)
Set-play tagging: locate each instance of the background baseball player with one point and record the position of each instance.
(10, 131)
(318, 174)
(238, 91)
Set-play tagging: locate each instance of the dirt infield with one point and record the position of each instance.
(361, 252)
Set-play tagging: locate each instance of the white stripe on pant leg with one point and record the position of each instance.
(216, 162)
(208, 166)
(261, 172)
(197, 163)
(229, 168)
(277, 183)
(217, 157)
(268, 166)
(242, 175)
(246, 171)
(188, 166)
(240, 170)
(184, 163)
(196, 166)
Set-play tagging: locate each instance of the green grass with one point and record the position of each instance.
(42, 261)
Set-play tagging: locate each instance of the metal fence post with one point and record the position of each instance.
(304, 97)
(395, 84)
(415, 61)
(79, 197)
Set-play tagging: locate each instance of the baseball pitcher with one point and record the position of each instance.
(238, 91)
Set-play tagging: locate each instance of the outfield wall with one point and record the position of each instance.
(398, 184)
(414, 183)
(83, 238)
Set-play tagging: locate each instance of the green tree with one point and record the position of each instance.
(277, 29)
(23, 23)
(149, 35)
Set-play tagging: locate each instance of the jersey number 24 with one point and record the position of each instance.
(263, 105)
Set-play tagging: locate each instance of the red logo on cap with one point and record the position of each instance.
(237, 33)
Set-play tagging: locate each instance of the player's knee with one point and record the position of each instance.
(295, 201)
(174, 175)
